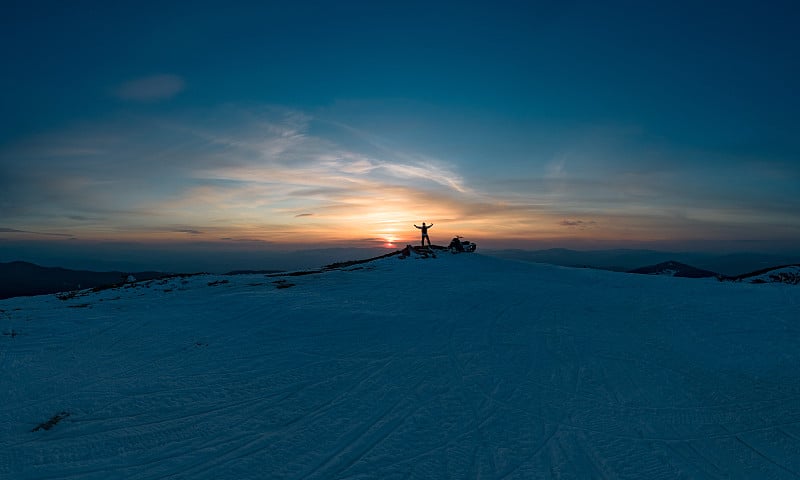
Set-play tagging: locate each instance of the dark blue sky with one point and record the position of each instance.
(675, 67)
(564, 121)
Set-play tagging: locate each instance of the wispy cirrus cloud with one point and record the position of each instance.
(260, 174)
(151, 88)
(577, 223)
(273, 174)
(46, 234)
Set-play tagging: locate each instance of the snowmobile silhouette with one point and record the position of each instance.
(457, 245)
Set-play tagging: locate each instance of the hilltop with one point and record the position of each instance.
(675, 269)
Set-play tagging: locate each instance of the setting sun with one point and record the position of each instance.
(389, 240)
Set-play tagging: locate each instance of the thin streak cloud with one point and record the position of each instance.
(151, 88)
(47, 234)
(577, 223)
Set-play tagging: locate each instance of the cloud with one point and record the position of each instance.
(151, 88)
(48, 234)
(237, 173)
(245, 196)
(429, 172)
(577, 223)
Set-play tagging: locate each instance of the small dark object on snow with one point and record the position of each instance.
(68, 295)
(282, 284)
(457, 245)
(52, 422)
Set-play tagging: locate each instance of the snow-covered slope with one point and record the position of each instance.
(450, 367)
(789, 274)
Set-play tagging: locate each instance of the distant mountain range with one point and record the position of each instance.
(25, 279)
(625, 260)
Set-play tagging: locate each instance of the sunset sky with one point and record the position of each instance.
(323, 124)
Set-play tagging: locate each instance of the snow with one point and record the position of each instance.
(449, 367)
(788, 274)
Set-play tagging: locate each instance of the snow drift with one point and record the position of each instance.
(449, 367)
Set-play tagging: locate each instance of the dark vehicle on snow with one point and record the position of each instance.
(457, 245)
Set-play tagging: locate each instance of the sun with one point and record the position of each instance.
(388, 240)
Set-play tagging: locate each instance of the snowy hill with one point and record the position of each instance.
(675, 269)
(789, 274)
(448, 367)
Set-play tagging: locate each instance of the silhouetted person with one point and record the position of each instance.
(424, 229)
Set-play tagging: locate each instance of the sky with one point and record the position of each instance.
(234, 127)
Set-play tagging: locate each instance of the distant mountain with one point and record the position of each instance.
(252, 272)
(26, 279)
(624, 260)
(784, 274)
(620, 260)
(674, 269)
(741, 263)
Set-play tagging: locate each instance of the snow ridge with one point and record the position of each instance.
(789, 274)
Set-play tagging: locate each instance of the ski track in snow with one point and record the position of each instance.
(460, 366)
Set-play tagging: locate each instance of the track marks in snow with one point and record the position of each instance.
(365, 436)
(770, 440)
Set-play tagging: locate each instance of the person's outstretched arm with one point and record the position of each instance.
(429, 226)
(416, 226)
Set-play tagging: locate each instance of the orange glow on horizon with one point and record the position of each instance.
(388, 225)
